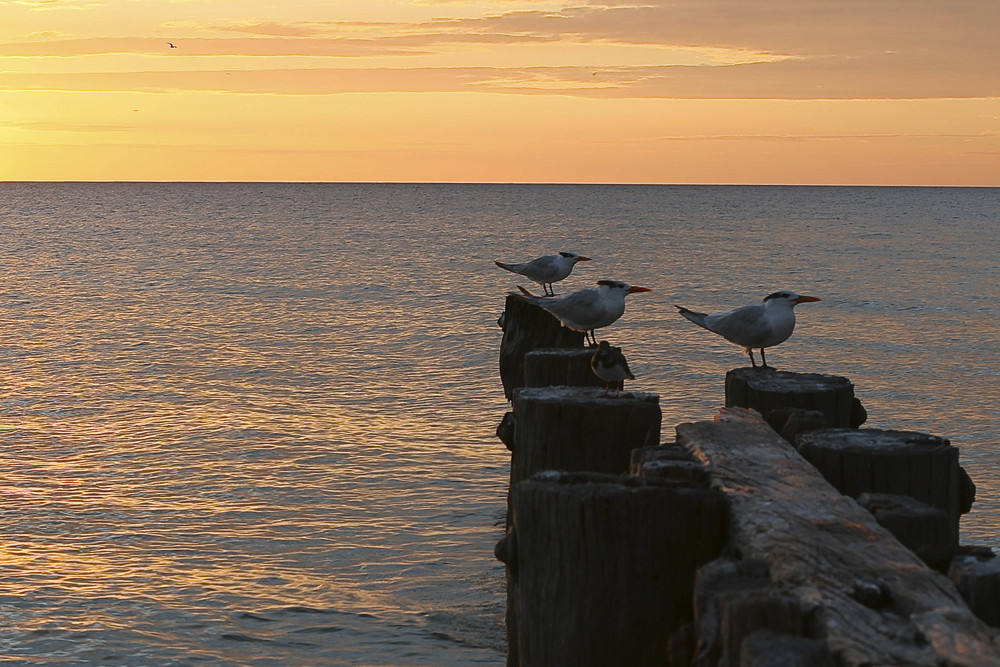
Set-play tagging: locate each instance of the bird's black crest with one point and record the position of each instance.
(776, 295)
(566, 254)
(611, 283)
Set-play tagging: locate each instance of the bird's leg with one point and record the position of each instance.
(547, 289)
(607, 385)
(762, 359)
(591, 338)
(752, 361)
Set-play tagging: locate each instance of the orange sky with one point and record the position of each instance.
(650, 91)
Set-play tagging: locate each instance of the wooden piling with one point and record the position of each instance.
(552, 367)
(976, 573)
(908, 463)
(606, 564)
(527, 327)
(766, 390)
(924, 530)
(579, 429)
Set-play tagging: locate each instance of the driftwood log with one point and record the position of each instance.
(550, 367)
(922, 466)
(604, 566)
(872, 601)
(767, 390)
(527, 327)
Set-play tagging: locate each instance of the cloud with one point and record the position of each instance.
(55, 126)
(760, 81)
(57, 4)
(792, 49)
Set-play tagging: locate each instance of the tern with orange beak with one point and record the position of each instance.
(754, 327)
(587, 309)
(546, 269)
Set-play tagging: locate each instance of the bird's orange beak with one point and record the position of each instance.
(806, 299)
(581, 258)
(638, 289)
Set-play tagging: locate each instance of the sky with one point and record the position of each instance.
(840, 92)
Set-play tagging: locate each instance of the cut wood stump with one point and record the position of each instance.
(606, 564)
(873, 601)
(905, 463)
(766, 390)
(578, 429)
(551, 367)
(976, 573)
(924, 530)
(527, 327)
(734, 599)
(667, 461)
(766, 648)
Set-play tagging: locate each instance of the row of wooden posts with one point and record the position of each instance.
(780, 533)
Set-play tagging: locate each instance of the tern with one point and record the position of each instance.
(546, 269)
(754, 327)
(609, 364)
(587, 309)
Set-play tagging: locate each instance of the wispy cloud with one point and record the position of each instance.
(793, 49)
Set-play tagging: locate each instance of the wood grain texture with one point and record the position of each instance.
(874, 601)
(606, 565)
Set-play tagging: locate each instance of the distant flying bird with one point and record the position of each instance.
(587, 309)
(172, 45)
(609, 364)
(547, 269)
(754, 327)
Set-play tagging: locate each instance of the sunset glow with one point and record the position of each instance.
(664, 91)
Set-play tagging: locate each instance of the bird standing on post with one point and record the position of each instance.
(754, 327)
(609, 364)
(587, 309)
(547, 269)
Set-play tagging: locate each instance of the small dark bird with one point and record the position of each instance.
(172, 45)
(546, 269)
(754, 327)
(609, 364)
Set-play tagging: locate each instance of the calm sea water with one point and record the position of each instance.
(252, 424)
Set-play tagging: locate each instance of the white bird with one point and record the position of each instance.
(609, 364)
(754, 327)
(587, 309)
(546, 269)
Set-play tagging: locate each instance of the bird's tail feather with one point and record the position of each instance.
(694, 316)
(502, 265)
(525, 294)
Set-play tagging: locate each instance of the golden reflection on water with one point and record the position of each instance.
(238, 414)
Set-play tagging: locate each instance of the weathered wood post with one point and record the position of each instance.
(907, 463)
(605, 565)
(976, 573)
(527, 327)
(552, 367)
(769, 391)
(578, 429)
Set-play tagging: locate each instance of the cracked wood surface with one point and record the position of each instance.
(875, 602)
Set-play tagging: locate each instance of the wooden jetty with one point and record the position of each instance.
(778, 534)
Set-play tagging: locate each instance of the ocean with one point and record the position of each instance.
(253, 424)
